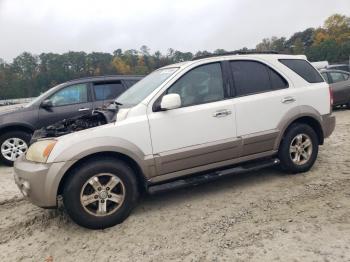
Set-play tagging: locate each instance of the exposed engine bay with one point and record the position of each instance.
(96, 118)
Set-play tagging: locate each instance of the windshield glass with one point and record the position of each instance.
(145, 87)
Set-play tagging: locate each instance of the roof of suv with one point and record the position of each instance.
(237, 56)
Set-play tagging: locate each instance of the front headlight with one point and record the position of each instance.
(40, 151)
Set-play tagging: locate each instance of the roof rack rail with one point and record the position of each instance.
(103, 76)
(239, 52)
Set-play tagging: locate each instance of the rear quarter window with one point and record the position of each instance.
(303, 69)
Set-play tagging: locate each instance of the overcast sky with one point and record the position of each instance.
(187, 25)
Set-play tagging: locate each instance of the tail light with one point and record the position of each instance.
(331, 98)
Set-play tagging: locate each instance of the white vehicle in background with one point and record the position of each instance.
(184, 124)
(320, 64)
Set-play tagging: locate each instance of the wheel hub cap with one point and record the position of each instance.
(12, 148)
(103, 194)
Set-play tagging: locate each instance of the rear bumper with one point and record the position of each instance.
(39, 182)
(328, 125)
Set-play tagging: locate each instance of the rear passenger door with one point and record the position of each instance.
(107, 91)
(263, 97)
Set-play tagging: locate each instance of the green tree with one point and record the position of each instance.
(120, 66)
(298, 47)
(338, 27)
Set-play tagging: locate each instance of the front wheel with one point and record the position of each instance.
(299, 148)
(12, 145)
(101, 193)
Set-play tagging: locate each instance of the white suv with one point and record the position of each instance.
(184, 124)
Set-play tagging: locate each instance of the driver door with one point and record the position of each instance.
(70, 101)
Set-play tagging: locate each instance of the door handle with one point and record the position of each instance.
(222, 113)
(288, 99)
(83, 109)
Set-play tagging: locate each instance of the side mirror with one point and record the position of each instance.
(47, 104)
(170, 101)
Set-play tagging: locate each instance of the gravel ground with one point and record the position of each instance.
(262, 216)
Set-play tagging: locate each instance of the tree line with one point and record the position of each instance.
(29, 75)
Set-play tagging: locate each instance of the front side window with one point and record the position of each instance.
(108, 90)
(201, 85)
(74, 94)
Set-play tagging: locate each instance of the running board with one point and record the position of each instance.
(207, 177)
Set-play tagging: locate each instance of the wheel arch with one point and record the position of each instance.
(307, 119)
(16, 127)
(103, 155)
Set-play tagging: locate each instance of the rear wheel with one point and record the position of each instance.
(299, 149)
(13, 145)
(101, 193)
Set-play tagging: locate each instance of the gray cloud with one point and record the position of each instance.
(82, 25)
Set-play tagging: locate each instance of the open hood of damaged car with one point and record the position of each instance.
(96, 118)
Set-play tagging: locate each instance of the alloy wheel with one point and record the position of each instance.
(300, 149)
(13, 148)
(102, 194)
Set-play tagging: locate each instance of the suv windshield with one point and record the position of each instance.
(146, 86)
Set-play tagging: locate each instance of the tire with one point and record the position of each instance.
(12, 145)
(82, 186)
(290, 148)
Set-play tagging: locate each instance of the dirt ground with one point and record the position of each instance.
(262, 216)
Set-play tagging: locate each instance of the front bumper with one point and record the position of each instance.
(328, 125)
(39, 182)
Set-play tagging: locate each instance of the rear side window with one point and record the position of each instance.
(252, 77)
(277, 82)
(303, 69)
(337, 77)
(108, 90)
